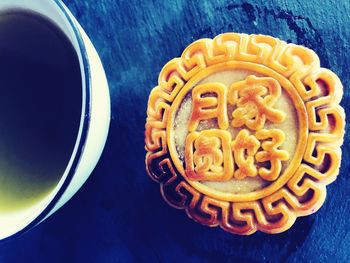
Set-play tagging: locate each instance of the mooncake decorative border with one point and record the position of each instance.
(305, 191)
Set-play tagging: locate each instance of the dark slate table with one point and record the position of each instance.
(119, 215)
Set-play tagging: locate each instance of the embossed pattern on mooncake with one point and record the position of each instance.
(244, 132)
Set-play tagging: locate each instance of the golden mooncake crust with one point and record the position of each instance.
(247, 142)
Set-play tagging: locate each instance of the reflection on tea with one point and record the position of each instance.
(40, 107)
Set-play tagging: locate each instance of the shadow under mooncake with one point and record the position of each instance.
(244, 132)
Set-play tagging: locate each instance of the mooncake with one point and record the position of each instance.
(244, 132)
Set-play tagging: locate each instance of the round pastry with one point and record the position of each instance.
(244, 132)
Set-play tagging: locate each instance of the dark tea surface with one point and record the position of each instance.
(40, 107)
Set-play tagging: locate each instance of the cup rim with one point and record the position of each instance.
(83, 125)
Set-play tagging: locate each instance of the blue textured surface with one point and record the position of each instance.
(119, 215)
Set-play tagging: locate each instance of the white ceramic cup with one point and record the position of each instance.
(94, 121)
